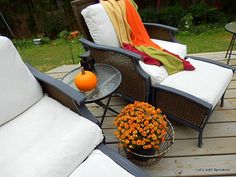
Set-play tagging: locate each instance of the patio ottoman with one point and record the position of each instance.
(190, 97)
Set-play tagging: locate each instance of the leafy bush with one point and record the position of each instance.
(197, 19)
(63, 34)
(53, 23)
(45, 40)
(26, 43)
(186, 22)
(216, 16)
(148, 14)
(171, 15)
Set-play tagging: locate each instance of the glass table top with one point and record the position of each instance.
(109, 79)
(231, 27)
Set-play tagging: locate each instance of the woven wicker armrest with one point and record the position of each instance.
(63, 93)
(61, 87)
(160, 31)
(132, 55)
(212, 62)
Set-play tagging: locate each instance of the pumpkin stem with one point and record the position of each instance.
(82, 70)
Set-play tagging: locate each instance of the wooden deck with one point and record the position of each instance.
(217, 157)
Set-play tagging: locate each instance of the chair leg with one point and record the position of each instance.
(222, 100)
(231, 46)
(227, 52)
(200, 138)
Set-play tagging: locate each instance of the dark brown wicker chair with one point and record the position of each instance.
(136, 85)
(126, 62)
(17, 112)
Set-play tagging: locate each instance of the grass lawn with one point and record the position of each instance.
(212, 41)
(48, 56)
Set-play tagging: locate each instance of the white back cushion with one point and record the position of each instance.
(100, 26)
(18, 88)
(47, 140)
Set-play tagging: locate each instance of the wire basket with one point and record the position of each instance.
(152, 157)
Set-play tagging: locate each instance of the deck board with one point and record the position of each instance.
(213, 130)
(217, 157)
(232, 85)
(194, 166)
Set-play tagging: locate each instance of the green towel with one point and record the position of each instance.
(170, 62)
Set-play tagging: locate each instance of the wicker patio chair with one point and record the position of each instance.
(46, 129)
(125, 61)
(179, 105)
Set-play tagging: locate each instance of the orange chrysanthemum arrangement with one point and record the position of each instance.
(140, 125)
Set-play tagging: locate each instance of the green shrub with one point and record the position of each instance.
(26, 43)
(53, 23)
(63, 34)
(197, 19)
(204, 14)
(186, 22)
(171, 15)
(205, 28)
(216, 16)
(148, 14)
(45, 40)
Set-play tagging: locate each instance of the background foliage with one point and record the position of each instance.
(32, 17)
(195, 17)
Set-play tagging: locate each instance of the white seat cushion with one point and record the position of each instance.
(100, 26)
(100, 165)
(47, 140)
(176, 48)
(207, 82)
(19, 89)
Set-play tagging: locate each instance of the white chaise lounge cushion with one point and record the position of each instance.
(99, 164)
(207, 82)
(47, 140)
(18, 88)
(100, 26)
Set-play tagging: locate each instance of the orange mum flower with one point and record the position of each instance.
(140, 125)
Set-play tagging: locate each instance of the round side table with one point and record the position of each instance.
(231, 27)
(109, 79)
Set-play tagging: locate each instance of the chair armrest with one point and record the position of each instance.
(88, 43)
(212, 62)
(55, 84)
(63, 94)
(128, 64)
(123, 162)
(160, 31)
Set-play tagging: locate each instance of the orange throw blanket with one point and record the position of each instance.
(139, 36)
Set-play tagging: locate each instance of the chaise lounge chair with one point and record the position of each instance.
(188, 97)
(45, 128)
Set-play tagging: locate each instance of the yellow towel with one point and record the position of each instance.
(116, 11)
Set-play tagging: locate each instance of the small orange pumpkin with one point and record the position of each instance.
(85, 80)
